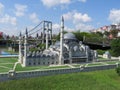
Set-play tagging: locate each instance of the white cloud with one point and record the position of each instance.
(10, 30)
(79, 20)
(6, 19)
(20, 10)
(52, 3)
(82, 1)
(114, 15)
(83, 27)
(56, 28)
(77, 17)
(69, 29)
(1, 7)
(68, 16)
(34, 18)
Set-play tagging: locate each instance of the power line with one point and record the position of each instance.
(35, 32)
(33, 28)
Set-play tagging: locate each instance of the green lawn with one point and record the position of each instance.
(7, 64)
(98, 80)
(101, 58)
(95, 64)
(77, 65)
(8, 60)
(20, 68)
(112, 62)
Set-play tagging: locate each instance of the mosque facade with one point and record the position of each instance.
(66, 51)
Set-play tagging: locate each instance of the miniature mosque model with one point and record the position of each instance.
(66, 51)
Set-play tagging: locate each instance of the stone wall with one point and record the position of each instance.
(28, 74)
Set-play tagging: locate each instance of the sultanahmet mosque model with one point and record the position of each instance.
(66, 51)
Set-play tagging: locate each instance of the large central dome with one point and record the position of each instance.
(69, 36)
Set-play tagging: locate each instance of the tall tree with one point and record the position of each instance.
(115, 47)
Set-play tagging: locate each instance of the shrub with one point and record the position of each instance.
(118, 70)
(101, 52)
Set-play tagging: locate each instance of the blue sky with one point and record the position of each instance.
(84, 15)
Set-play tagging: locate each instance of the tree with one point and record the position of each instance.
(99, 34)
(58, 36)
(78, 35)
(107, 33)
(114, 33)
(115, 47)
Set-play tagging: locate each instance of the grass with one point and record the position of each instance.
(77, 65)
(101, 58)
(7, 64)
(94, 64)
(112, 62)
(98, 80)
(20, 68)
(8, 60)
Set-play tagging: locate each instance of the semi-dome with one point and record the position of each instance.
(69, 36)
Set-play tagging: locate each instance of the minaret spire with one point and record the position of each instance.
(61, 41)
(20, 46)
(47, 36)
(25, 48)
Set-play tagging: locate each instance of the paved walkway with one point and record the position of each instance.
(70, 66)
(15, 65)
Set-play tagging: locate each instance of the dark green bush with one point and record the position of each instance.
(101, 52)
(118, 70)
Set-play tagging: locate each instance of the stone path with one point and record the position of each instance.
(15, 65)
(70, 66)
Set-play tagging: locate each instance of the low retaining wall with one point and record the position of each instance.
(27, 74)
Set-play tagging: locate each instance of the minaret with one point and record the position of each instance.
(25, 49)
(47, 30)
(20, 47)
(61, 41)
(86, 51)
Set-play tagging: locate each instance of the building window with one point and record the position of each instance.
(43, 63)
(52, 62)
(39, 63)
(34, 63)
(56, 62)
(48, 63)
(29, 63)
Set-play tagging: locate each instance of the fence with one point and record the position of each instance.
(11, 75)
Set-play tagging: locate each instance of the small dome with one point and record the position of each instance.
(69, 36)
